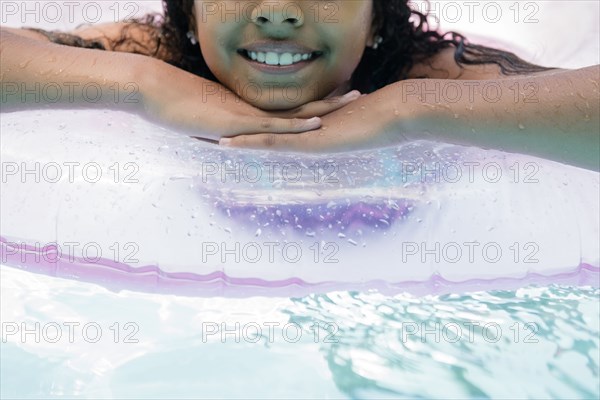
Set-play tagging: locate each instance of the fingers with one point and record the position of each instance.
(322, 107)
(253, 125)
(293, 121)
(272, 141)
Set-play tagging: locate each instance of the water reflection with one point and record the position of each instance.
(535, 342)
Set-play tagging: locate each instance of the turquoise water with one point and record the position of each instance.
(535, 342)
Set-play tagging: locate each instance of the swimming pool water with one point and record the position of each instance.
(535, 342)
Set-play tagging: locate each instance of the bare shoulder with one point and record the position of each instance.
(106, 33)
(124, 37)
(443, 66)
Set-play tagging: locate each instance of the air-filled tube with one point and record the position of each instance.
(107, 197)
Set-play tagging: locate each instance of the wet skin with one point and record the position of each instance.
(338, 31)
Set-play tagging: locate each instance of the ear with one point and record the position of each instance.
(371, 39)
(376, 26)
(193, 19)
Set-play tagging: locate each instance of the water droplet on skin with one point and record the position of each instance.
(521, 127)
(396, 112)
(456, 116)
(350, 112)
(363, 107)
(258, 232)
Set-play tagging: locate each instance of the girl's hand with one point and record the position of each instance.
(369, 122)
(205, 109)
(316, 108)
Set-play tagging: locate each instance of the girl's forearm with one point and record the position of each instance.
(35, 73)
(554, 116)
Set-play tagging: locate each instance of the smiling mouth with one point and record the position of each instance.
(279, 59)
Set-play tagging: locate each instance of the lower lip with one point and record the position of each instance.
(279, 69)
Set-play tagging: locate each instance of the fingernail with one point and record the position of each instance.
(355, 94)
(313, 121)
(225, 142)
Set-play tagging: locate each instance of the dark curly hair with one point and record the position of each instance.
(408, 40)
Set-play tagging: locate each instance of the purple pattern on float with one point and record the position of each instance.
(348, 217)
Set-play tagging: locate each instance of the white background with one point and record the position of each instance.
(552, 33)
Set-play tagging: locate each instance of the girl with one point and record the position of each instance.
(251, 74)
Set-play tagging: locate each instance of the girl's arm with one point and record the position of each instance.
(553, 115)
(550, 115)
(35, 72)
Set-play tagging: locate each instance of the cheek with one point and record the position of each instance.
(348, 53)
(212, 37)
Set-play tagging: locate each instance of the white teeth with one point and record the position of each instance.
(285, 59)
(272, 58)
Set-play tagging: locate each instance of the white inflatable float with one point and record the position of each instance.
(107, 197)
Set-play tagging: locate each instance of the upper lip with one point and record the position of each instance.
(278, 47)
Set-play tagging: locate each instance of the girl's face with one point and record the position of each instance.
(279, 54)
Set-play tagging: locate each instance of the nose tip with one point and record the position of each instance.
(273, 15)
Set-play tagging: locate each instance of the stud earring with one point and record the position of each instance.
(192, 37)
(378, 41)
